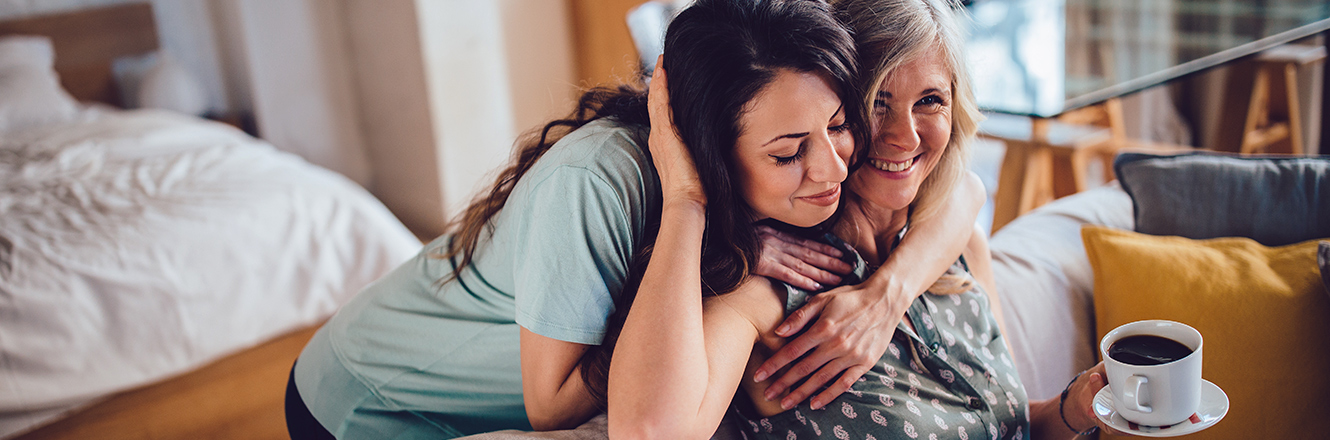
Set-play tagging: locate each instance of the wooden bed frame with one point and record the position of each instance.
(238, 397)
(87, 41)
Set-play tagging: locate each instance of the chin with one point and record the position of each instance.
(808, 221)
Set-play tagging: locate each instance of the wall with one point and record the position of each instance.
(418, 100)
(446, 86)
(395, 116)
(304, 98)
(186, 30)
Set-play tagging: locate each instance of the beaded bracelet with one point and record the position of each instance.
(1063, 400)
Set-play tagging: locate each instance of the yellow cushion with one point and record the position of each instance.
(1261, 310)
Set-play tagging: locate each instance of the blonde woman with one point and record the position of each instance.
(946, 372)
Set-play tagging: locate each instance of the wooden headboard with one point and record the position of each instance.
(87, 41)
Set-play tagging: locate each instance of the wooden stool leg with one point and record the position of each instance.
(1258, 112)
(1067, 179)
(1274, 121)
(1294, 112)
(1080, 168)
(1039, 183)
(1011, 184)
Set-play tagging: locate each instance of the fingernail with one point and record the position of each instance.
(781, 331)
(786, 404)
(814, 404)
(817, 286)
(760, 376)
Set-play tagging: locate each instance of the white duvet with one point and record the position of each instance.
(138, 245)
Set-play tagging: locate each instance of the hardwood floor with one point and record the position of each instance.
(237, 397)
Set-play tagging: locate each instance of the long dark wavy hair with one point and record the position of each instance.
(719, 55)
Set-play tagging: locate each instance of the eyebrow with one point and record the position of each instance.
(803, 134)
(786, 136)
(884, 95)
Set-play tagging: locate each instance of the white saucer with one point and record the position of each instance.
(1214, 405)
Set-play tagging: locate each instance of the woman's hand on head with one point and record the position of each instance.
(803, 263)
(679, 181)
(849, 328)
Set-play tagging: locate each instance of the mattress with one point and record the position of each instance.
(137, 245)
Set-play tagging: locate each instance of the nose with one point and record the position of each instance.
(895, 131)
(825, 161)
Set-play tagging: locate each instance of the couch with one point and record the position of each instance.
(1056, 310)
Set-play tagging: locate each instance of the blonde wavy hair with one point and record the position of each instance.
(891, 33)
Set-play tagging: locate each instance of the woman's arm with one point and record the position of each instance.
(668, 379)
(851, 326)
(552, 388)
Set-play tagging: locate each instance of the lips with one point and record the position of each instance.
(825, 198)
(893, 166)
(895, 170)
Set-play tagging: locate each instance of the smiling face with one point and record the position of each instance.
(792, 149)
(911, 123)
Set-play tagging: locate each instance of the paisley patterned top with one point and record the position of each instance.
(953, 379)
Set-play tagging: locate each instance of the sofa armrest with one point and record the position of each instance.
(1046, 284)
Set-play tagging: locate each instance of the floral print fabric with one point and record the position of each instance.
(952, 378)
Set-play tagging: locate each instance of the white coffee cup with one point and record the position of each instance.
(1155, 395)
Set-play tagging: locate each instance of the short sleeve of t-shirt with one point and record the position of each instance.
(575, 241)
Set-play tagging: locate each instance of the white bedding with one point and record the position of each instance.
(142, 244)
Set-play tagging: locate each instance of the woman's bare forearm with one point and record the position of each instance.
(661, 351)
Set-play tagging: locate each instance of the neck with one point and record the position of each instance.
(871, 229)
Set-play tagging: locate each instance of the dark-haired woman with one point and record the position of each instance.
(947, 374)
(485, 329)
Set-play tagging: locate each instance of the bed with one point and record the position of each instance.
(159, 273)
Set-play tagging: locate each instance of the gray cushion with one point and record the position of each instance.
(1275, 200)
(1323, 259)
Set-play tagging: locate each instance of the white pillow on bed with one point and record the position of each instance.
(30, 92)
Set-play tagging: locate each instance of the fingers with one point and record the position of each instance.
(778, 264)
(771, 268)
(801, 317)
(1095, 381)
(658, 99)
(791, 351)
(811, 244)
(847, 380)
(823, 375)
(819, 258)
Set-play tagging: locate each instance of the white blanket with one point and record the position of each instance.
(139, 245)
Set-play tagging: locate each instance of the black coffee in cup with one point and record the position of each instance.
(1147, 350)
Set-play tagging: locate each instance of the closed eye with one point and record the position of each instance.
(786, 160)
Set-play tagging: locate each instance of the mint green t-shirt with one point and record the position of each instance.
(410, 357)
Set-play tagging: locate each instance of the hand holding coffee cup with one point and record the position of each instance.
(1154, 371)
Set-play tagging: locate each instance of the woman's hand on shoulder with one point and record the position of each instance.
(846, 335)
(803, 263)
(679, 181)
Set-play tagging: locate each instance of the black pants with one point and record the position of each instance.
(299, 422)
